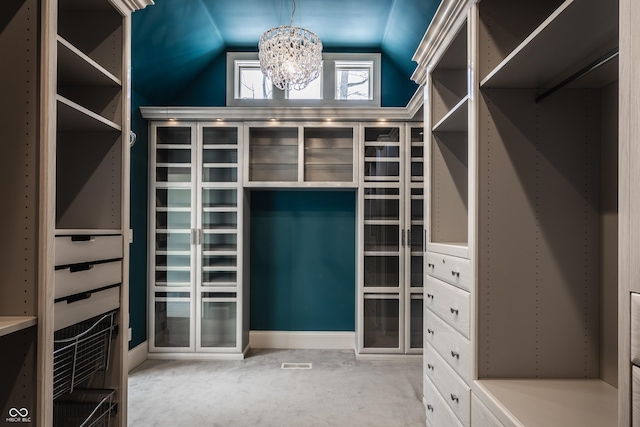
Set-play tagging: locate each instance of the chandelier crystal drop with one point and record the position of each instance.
(290, 56)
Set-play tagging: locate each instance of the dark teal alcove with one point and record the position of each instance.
(303, 260)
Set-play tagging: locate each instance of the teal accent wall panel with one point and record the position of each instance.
(303, 260)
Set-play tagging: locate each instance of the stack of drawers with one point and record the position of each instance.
(448, 351)
(88, 277)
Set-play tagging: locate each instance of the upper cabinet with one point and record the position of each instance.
(294, 155)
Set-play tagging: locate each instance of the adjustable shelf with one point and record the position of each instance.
(11, 324)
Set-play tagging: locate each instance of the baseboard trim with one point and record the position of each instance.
(303, 340)
(138, 355)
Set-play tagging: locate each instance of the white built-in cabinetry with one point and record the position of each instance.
(521, 323)
(65, 133)
(391, 243)
(197, 266)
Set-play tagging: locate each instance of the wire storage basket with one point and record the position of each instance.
(85, 408)
(80, 350)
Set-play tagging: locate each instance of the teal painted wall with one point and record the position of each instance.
(303, 260)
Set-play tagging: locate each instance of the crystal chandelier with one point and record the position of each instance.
(290, 56)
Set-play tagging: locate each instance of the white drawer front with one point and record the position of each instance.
(452, 346)
(451, 303)
(86, 277)
(454, 270)
(438, 413)
(635, 328)
(79, 249)
(67, 314)
(481, 416)
(455, 392)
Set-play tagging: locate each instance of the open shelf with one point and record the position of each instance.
(456, 120)
(554, 402)
(73, 117)
(77, 69)
(578, 32)
(11, 324)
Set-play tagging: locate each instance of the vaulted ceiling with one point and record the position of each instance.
(175, 41)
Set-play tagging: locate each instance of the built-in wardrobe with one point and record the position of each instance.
(529, 194)
(65, 139)
(204, 170)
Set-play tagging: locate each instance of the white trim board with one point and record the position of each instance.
(303, 340)
(138, 355)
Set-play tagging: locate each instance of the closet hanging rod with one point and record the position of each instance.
(580, 73)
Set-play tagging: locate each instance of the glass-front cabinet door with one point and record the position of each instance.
(381, 290)
(196, 233)
(415, 233)
(172, 226)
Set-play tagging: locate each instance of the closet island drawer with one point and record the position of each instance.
(73, 310)
(453, 347)
(455, 392)
(77, 278)
(449, 302)
(450, 269)
(85, 248)
(438, 413)
(481, 416)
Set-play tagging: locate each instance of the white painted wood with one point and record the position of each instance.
(67, 314)
(455, 392)
(452, 346)
(481, 416)
(302, 340)
(438, 412)
(70, 250)
(77, 279)
(453, 270)
(553, 403)
(137, 355)
(452, 304)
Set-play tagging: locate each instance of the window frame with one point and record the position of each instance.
(235, 60)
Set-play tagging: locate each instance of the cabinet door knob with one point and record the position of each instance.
(430, 296)
(455, 354)
(455, 273)
(455, 398)
(430, 265)
(430, 408)
(430, 366)
(430, 331)
(454, 311)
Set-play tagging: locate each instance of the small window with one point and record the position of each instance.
(252, 83)
(353, 80)
(313, 91)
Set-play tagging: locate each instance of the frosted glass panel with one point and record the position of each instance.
(218, 324)
(173, 197)
(168, 220)
(381, 238)
(382, 323)
(172, 319)
(382, 271)
(219, 197)
(416, 337)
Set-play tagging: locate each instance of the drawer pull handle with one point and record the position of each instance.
(455, 398)
(430, 366)
(430, 296)
(455, 354)
(455, 273)
(454, 311)
(83, 238)
(430, 331)
(80, 267)
(78, 297)
(430, 408)
(430, 265)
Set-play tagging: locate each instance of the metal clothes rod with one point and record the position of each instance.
(586, 70)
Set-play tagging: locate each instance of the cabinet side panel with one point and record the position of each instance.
(19, 160)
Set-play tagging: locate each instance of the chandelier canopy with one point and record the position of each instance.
(290, 56)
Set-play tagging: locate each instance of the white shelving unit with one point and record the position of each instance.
(197, 221)
(524, 165)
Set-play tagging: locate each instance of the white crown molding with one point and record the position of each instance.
(448, 15)
(127, 6)
(347, 113)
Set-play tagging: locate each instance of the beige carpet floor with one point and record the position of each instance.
(338, 391)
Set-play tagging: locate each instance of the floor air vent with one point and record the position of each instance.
(296, 366)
